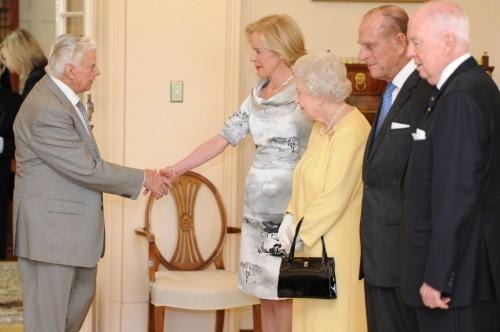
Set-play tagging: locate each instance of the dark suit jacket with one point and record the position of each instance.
(385, 159)
(452, 194)
(9, 105)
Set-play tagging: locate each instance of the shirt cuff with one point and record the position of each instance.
(1, 145)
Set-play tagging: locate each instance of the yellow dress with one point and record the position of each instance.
(327, 190)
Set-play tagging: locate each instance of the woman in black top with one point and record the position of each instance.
(22, 55)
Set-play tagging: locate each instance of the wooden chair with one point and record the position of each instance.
(188, 282)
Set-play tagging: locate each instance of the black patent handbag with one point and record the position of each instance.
(307, 277)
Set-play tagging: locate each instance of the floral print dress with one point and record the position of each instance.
(280, 132)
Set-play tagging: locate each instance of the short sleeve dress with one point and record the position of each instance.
(280, 132)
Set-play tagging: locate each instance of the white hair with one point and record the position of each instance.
(68, 49)
(324, 75)
(450, 18)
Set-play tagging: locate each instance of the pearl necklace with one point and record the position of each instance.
(282, 84)
(326, 129)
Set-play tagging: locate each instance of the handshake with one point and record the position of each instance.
(158, 183)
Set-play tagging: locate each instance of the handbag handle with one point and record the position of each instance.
(291, 256)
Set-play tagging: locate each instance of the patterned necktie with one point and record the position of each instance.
(386, 105)
(83, 112)
(85, 116)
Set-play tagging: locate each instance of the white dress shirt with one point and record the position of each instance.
(452, 66)
(72, 97)
(401, 78)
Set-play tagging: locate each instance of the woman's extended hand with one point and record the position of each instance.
(286, 231)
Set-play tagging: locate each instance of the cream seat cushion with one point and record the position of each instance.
(199, 290)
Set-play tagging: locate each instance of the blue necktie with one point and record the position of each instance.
(386, 105)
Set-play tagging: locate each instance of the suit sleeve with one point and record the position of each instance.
(342, 180)
(460, 143)
(56, 142)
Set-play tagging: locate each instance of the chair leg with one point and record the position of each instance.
(159, 318)
(257, 322)
(219, 320)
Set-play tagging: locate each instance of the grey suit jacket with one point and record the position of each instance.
(59, 182)
(385, 160)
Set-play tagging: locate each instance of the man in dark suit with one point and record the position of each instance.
(9, 105)
(382, 37)
(451, 256)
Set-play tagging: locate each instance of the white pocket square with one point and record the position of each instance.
(397, 125)
(418, 135)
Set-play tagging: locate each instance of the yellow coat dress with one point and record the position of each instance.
(327, 191)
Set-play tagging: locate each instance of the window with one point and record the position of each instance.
(72, 16)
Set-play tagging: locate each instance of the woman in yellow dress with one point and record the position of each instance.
(326, 192)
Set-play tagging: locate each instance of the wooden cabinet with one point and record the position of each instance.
(488, 69)
(9, 16)
(366, 91)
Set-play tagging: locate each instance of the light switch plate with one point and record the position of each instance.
(176, 91)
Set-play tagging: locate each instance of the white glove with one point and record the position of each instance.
(286, 232)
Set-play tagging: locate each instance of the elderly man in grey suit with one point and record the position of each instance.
(59, 183)
(382, 36)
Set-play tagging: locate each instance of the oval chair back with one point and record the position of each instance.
(193, 275)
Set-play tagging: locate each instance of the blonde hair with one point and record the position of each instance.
(324, 75)
(23, 51)
(279, 34)
(68, 49)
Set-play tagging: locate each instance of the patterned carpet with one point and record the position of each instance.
(11, 311)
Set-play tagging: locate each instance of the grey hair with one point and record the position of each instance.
(324, 75)
(394, 18)
(68, 49)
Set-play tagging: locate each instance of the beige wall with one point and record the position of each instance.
(495, 41)
(146, 43)
(168, 43)
(38, 17)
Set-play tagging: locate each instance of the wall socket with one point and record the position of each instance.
(176, 91)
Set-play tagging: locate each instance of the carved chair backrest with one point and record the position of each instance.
(187, 255)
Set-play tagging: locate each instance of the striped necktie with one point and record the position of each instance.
(85, 116)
